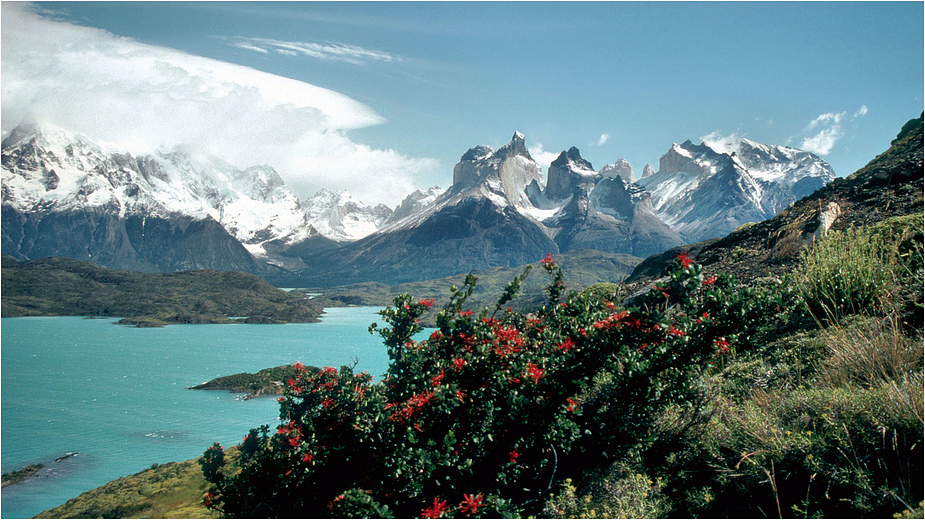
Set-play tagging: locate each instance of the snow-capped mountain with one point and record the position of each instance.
(704, 193)
(601, 210)
(415, 202)
(498, 213)
(341, 217)
(49, 172)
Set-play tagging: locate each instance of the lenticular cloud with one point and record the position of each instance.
(140, 97)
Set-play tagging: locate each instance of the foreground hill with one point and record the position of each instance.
(67, 287)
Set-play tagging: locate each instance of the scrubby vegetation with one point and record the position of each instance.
(67, 287)
(790, 397)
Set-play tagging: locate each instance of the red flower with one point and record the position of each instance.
(413, 406)
(722, 345)
(673, 330)
(685, 260)
(329, 371)
(436, 510)
(207, 502)
(470, 505)
(613, 322)
(548, 262)
(460, 395)
(307, 457)
(299, 367)
(458, 363)
(566, 345)
(534, 372)
(514, 455)
(327, 403)
(466, 313)
(437, 379)
(294, 442)
(427, 302)
(507, 341)
(710, 280)
(572, 404)
(436, 335)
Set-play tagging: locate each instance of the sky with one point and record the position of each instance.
(382, 98)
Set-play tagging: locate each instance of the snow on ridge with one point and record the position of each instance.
(59, 170)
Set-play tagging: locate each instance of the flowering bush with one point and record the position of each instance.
(487, 415)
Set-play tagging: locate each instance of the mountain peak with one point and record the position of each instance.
(572, 157)
(517, 146)
(621, 169)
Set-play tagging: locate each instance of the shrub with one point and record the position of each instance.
(485, 417)
(869, 352)
(862, 270)
(813, 452)
(620, 493)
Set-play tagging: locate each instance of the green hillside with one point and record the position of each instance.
(583, 268)
(66, 287)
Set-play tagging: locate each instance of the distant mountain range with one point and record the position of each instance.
(63, 195)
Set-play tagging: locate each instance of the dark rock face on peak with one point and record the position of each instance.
(602, 212)
(498, 213)
(567, 173)
(473, 233)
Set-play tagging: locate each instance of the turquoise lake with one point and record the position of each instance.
(117, 396)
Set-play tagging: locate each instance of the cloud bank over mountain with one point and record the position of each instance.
(142, 97)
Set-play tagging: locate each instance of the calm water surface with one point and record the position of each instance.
(117, 396)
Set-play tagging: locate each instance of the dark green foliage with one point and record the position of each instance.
(212, 461)
(483, 418)
(66, 287)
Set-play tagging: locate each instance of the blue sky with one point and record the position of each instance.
(411, 86)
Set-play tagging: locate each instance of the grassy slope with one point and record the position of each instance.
(66, 287)
(173, 490)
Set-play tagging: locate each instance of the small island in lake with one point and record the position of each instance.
(269, 381)
(15, 477)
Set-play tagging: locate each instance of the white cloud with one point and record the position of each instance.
(324, 51)
(141, 97)
(603, 139)
(822, 142)
(829, 118)
(830, 130)
(722, 143)
(542, 157)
